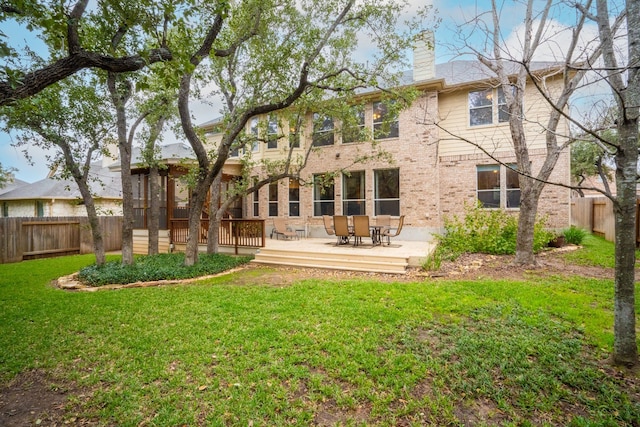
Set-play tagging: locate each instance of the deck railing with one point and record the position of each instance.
(233, 232)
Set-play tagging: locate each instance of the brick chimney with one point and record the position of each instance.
(424, 59)
(110, 154)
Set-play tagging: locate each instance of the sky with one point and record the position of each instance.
(450, 16)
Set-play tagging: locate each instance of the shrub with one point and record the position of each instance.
(574, 235)
(491, 231)
(158, 267)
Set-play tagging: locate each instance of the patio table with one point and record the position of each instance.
(376, 238)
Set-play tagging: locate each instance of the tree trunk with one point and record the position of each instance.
(625, 350)
(627, 96)
(529, 195)
(153, 220)
(198, 198)
(87, 198)
(119, 97)
(96, 234)
(94, 223)
(213, 234)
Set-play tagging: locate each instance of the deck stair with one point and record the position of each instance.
(378, 263)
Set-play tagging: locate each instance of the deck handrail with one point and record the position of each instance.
(232, 232)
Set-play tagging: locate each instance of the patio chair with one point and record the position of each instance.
(384, 222)
(361, 229)
(388, 233)
(341, 229)
(280, 229)
(328, 225)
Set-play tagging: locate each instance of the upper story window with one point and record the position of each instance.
(294, 133)
(322, 130)
(254, 131)
(385, 121)
(272, 132)
(353, 125)
(498, 186)
(483, 103)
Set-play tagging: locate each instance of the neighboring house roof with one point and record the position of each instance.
(175, 151)
(105, 184)
(171, 153)
(16, 183)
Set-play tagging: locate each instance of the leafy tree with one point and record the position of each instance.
(157, 110)
(273, 56)
(624, 146)
(513, 69)
(71, 116)
(589, 159)
(626, 93)
(6, 176)
(69, 31)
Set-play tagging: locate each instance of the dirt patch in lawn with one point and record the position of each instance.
(34, 398)
(466, 267)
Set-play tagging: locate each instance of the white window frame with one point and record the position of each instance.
(377, 200)
(502, 189)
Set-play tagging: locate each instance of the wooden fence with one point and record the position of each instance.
(28, 238)
(595, 214)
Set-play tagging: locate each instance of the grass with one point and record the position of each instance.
(597, 252)
(328, 352)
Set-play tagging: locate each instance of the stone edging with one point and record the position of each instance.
(71, 282)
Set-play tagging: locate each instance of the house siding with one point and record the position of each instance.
(58, 207)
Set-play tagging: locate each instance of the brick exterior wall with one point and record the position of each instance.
(432, 186)
(459, 182)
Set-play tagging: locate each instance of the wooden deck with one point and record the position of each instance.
(324, 253)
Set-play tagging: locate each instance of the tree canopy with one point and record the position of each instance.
(6, 176)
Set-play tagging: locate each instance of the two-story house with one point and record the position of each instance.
(438, 146)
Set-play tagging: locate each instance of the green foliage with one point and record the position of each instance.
(158, 267)
(6, 175)
(585, 157)
(491, 231)
(574, 235)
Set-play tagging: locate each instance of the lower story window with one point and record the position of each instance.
(39, 208)
(498, 186)
(256, 201)
(273, 199)
(294, 197)
(323, 195)
(5, 209)
(387, 192)
(353, 194)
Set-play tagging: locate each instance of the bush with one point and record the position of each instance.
(158, 267)
(491, 231)
(574, 235)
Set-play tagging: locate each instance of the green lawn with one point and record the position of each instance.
(320, 352)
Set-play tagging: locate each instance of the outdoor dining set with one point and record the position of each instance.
(346, 227)
(359, 226)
